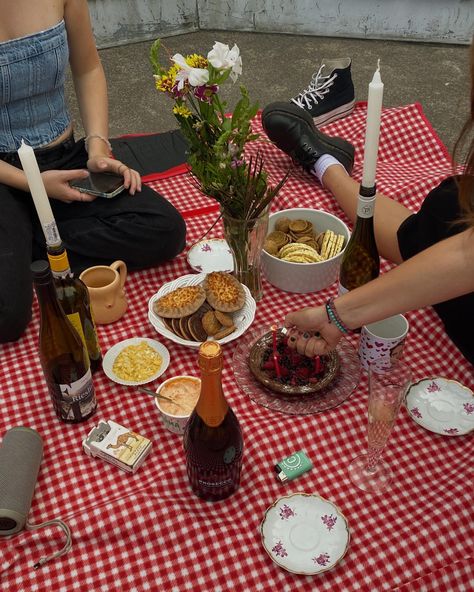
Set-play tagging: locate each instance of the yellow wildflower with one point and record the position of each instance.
(182, 110)
(196, 61)
(163, 83)
(166, 82)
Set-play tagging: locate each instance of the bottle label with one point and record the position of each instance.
(365, 207)
(75, 401)
(61, 274)
(215, 482)
(59, 265)
(86, 333)
(229, 454)
(92, 341)
(75, 321)
(51, 233)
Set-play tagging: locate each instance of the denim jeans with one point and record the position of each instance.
(143, 230)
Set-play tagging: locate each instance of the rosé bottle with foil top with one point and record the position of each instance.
(213, 441)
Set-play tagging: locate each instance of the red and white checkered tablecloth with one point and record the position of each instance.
(147, 531)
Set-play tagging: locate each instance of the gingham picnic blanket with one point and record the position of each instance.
(147, 531)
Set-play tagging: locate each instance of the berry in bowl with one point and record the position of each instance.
(291, 373)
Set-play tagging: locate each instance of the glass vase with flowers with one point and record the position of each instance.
(216, 149)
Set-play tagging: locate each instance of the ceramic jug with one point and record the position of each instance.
(106, 289)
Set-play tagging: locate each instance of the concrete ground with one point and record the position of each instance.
(276, 67)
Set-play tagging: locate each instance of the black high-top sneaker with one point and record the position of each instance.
(330, 94)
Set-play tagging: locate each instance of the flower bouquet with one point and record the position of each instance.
(216, 152)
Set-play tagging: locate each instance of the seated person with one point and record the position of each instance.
(434, 247)
(37, 39)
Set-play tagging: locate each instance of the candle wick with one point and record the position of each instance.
(378, 64)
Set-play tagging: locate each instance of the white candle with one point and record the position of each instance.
(38, 193)
(372, 131)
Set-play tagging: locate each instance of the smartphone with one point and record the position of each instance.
(101, 184)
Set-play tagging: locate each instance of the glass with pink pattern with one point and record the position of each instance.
(387, 389)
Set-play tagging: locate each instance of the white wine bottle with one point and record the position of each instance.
(212, 439)
(74, 299)
(63, 355)
(361, 262)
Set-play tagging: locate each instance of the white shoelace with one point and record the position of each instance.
(318, 87)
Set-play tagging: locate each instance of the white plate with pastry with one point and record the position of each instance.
(186, 309)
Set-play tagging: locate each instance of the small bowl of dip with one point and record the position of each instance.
(184, 391)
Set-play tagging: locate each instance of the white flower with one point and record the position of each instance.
(223, 58)
(195, 76)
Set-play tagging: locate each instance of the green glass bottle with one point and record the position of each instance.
(74, 299)
(361, 262)
(63, 356)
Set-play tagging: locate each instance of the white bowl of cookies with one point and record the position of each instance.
(303, 249)
(198, 307)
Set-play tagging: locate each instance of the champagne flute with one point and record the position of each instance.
(387, 388)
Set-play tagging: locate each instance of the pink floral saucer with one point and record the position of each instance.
(442, 406)
(212, 254)
(305, 533)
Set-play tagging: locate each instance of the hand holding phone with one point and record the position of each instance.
(101, 184)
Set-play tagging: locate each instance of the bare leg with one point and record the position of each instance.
(388, 215)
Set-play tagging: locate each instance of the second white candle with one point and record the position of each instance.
(38, 193)
(372, 132)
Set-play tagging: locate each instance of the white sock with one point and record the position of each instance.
(322, 164)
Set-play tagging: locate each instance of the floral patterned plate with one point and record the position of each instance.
(305, 533)
(442, 406)
(212, 254)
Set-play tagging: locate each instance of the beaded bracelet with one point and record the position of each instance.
(334, 318)
(87, 138)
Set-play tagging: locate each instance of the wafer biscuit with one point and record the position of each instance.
(292, 247)
(332, 244)
(302, 257)
(302, 253)
(328, 240)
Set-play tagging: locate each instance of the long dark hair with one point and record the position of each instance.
(466, 180)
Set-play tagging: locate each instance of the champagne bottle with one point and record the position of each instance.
(360, 262)
(63, 355)
(74, 298)
(212, 439)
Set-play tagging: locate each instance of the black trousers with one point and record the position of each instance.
(143, 230)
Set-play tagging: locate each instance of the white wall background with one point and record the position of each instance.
(117, 22)
(123, 21)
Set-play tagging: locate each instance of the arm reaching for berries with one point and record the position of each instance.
(413, 284)
(307, 322)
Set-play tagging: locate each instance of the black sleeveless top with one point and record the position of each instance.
(435, 221)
